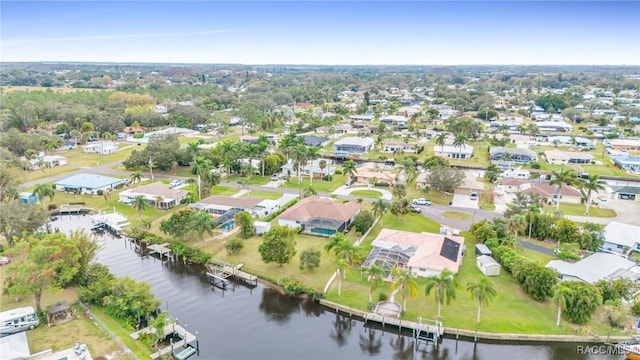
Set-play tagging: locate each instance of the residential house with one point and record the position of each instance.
(559, 157)
(320, 216)
(101, 147)
(318, 141)
(627, 162)
(220, 205)
(599, 266)
(158, 195)
(312, 167)
(625, 144)
(362, 117)
(397, 146)
(511, 186)
(625, 192)
(364, 175)
(423, 254)
(397, 120)
(517, 155)
(421, 180)
(133, 130)
(88, 183)
(42, 161)
(454, 152)
(621, 238)
(251, 139)
(553, 126)
(549, 192)
(563, 140)
(68, 145)
(29, 198)
(353, 145)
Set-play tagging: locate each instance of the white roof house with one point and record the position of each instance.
(454, 152)
(621, 238)
(595, 267)
(349, 145)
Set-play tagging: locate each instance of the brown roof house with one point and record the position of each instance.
(549, 192)
(320, 216)
(220, 205)
(424, 254)
(158, 195)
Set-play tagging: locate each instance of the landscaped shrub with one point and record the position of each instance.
(635, 308)
(338, 172)
(293, 287)
(535, 165)
(138, 136)
(100, 192)
(144, 236)
(328, 178)
(535, 279)
(234, 246)
(189, 253)
(382, 184)
(383, 297)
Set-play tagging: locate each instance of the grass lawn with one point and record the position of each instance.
(140, 350)
(319, 185)
(579, 210)
(258, 194)
(456, 215)
(250, 257)
(254, 180)
(78, 158)
(410, 222)
(223, 191)
(433, 196)
(511, 311)
(366, 194)
(45, 173)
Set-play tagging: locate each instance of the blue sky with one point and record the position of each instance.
(330, 32)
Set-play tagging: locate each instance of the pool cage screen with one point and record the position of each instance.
(387, 259)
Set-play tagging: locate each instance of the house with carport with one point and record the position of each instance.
(598, 266)
(88, 184)
(353, 145)
(559, 157)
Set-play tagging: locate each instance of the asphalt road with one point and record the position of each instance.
(538, 248)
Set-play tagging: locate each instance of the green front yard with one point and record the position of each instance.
(223, 191)
(254, 180)
(320, 186)
(258, 194)
(579, 210)
(366, 194)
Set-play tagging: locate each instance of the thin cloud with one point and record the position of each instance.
(112, 37)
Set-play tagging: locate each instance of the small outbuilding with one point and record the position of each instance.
(482, 250)
(262, 227)
(488, 265)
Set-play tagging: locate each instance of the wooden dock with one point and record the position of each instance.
(161, 249)
(186, 339)
(222, 271)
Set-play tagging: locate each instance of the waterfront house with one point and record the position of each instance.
(88, 183)
(320, 216)
(394, 146)
(318, 141)
(364, 175)
(517, 155)
(454, 152)
(423, 254)
(220, 205)
(158, 195)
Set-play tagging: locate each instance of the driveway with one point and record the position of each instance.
(464, 201)
(434, 212)
(344, 190)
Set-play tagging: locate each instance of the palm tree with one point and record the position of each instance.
(44, 190)
(323, 165)
(440, 140)
(312, 154)
(136, 177)
(400, 207)
(193, 148)
(202, 166)
(563, 177)
(516, 223)
(140, 203)
(443, 286)
(591, 184)
(561, 293)
(342, 248)
(228, 152)
(406, 283)
(151, 164)
(158, 324)
(399, 191)
(349, 168)
(483, 291)
(341, 264)
(299, 155)
(262, 146)
(201, 223)
(374, 274)
(379, 208)
(460, 142)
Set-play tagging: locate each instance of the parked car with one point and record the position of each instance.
(415, 209)
(4, 260)
(350, 182)
(275, 177)
(175, 183)
(602, 198)
(421, 201)
(474, 196)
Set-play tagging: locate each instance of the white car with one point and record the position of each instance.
(274, 177)
(602, 198)
(473, 196)
(421, 201)
(175, 183)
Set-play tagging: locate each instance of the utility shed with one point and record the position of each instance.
(488, 266)
(482, 249)
(261, 227)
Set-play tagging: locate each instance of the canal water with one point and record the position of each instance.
(259, 323)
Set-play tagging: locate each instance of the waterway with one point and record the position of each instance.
(259, 323)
